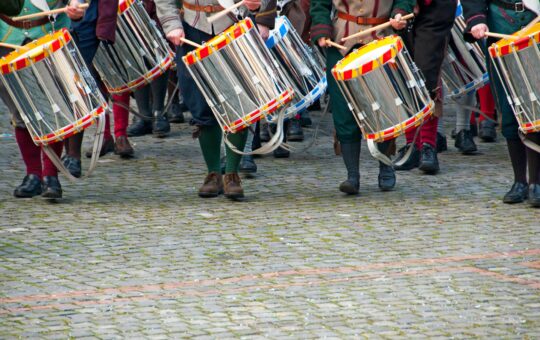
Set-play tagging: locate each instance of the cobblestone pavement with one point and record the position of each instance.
(133, 252)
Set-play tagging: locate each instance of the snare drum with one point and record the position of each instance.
(464, 68)
(52, 88)
(301, 63)
(139, 55)
(517, 62)
(384, 89)
(239, 78)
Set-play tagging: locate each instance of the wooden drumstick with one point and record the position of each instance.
(501, 36)
(375, 28)
(224, 12)
(189, 42)
(10, 46)
(331, 43)
(51, 12)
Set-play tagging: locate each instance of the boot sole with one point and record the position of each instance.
(209, 194)
(234, 197)
(295, 138)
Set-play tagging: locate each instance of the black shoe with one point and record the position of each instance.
(176, 114)
(305, 118)
(387, 177)
(429, 163)
(534, 195)
(487, 132)
(474, 130)
(412, 162)
(442, 145)
(51, 187)
(295, 134)
(140, 127)
(30, 187)
(106, 147)
(161, 126)
(517, 194)
(247, 165)
(281, 153)
(265, 133)
(465, 142)
(350, 187)
(73, 165)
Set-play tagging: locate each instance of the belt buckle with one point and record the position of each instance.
(208, 9)
(360, 21)
(26, 24)
(519, 7)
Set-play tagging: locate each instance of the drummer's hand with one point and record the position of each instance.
(397, 23)
(322, 42)
(252, 5)
(73, 11)
(175, 36)
(479, 31)
(264, 31)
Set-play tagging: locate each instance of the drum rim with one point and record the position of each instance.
(392, 40)
(279, 32)
(55, 41)
(505, 47)
(124, 5)
(219, 41)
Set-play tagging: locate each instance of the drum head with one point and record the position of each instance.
(368, 58)
(34, 51)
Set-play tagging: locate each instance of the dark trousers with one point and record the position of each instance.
(193, 98)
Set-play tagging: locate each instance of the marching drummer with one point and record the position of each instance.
(507, 17)
(195, 26)
(351, 17)
(41, 178)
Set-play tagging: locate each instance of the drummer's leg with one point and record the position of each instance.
(533, 160)
(464, 139)
(120, 109)
(487, 131)
(347, 130)
(161, 126)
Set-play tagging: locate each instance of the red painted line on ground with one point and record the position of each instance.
(246, 278)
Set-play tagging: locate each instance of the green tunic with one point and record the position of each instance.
(12, 35)
(11, 7)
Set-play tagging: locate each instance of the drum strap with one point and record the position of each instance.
(516, 6)
(25, 24)
(361, 20)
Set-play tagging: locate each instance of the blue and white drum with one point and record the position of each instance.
(302, 65)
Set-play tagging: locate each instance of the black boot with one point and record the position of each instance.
(265, 133)
(517, 194)
(73, 165)
(487, 131)
(161, 126)
(51, 187)
(296, 134)
(534, 195)
(351, 157)
(247, 165)
(465, 142)
(429, 163)
(141, 126)
(30, 187)
(176, 114)
(305, 118)
(412, 162)
(442, 145)
(387, 175)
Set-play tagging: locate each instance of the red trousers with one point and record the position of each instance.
(33, 156)
(487, 104)
(120, 115)
(427, 134)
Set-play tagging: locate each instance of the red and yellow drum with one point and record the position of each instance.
(384, 89)
(517, 62)
(239, 78)
(52, 88)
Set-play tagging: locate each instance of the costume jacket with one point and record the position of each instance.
(11, 7)
(326, 23)
(169, 15)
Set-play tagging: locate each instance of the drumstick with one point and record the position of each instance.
(375, 28)
(501, 36)
(224, 12)
(189, 42)
(331, 43)
(51, 12)
(10, 46)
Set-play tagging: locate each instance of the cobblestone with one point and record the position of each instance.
(132, 252)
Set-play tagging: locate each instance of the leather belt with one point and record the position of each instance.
(25, 24)
(513, 6)
(361, 20)
(205, 9)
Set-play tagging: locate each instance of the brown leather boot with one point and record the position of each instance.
(123, 148)
(232, 186)
(212, 186)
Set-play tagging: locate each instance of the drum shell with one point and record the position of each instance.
(389, 99)
(518, 68)
(55, 92)
(139, 55)
(242, 82)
